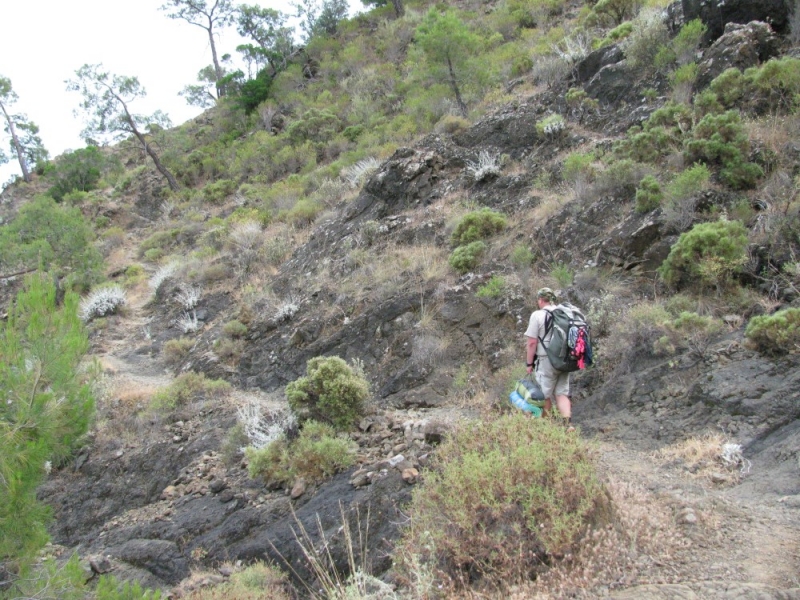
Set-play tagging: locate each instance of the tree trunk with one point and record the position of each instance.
(17, 146)
(217, 67)
(173, 183)
(454, 84)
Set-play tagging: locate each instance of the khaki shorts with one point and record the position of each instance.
(553, 383)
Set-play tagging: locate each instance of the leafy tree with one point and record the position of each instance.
(399, 9)
(52, 234)
(46, 406)
(105, 107)
(78, 170)
(617, 11)
(320, 19)
(447, 41)
(205, 93)
(25, 142)
(219, 14)
(273, 45)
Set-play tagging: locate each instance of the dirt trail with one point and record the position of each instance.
(731, 534)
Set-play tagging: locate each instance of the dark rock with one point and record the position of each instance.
(160, 557)
(100, 564)
(217, 485)
(716, 14)
(602, 57)
(741, 46)
(611, 84)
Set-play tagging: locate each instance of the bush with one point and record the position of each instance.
(330, 392)
(720, 139)
(46, 408)
(218, 191)
(708, 254)
(551, 126)
(79, 170)
(465, 258)
(235, 329)
(530, 485)
(315, 454)
(693, 331)
(254, 582)
(578, 167)
(177, 350)
(187, 387)
(54, 235)
(102, 302)
(562, 274)
(648, 37)
(681, 195)
(776, 334)
(648, 195)
(494, 288)
(478, 225)
(522, 256)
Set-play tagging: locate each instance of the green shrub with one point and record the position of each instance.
(177, 350)
(270, 463)
(729, 87)
(160, 240)
(316, 454)
(330, 392)
(316, 125)
(452, 124)
(494, 288)
(776, 334)
(617, 11)
(551, 126)
(720, 139)
(235, 329)
(620, 178)
(46, 409)
(304, 212)
(688, 40)
(688, 183)
(693, 331)
(79, 170)
(47, 233)
(530, 485)
(648, 194)
(110, 588)
(648, 38)
(708, 254)
(187, 387)
(478, 225)
(777, 82)
(522, 256)
(563, 274)
(465, 258)
(619, 33)
(578, 166)
(217, 191)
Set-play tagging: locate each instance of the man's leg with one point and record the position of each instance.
(564, 406)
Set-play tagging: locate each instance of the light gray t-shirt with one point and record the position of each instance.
(536, 330)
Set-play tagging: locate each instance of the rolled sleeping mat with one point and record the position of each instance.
(520, 403)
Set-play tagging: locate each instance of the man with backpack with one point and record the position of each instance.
(554, 383)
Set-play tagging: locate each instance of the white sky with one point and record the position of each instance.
(43, 43)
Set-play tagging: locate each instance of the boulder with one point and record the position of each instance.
(602, 57)
(716, 14)
(741, 46)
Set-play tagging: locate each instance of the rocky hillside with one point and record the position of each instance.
(161, 495)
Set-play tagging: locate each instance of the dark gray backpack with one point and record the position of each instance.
(570, 347)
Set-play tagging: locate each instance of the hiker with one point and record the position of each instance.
(554, 384)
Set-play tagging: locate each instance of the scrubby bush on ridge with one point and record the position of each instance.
(331, 392)
(530, 484)
(776, 334)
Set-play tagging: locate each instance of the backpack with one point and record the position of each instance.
(570, 347)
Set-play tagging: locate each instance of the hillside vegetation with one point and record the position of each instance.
(334, 264)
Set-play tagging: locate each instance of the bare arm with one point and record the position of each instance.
(531, 353)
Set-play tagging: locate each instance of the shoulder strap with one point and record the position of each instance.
(548, 325)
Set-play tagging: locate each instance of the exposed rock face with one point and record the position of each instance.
(741, 46)
(602, 57)
(716, 14)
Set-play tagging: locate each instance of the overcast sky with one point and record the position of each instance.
(43, 43)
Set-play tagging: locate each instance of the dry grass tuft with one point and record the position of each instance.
(642, 534)
(707, 457)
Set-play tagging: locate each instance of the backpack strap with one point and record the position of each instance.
(548, 326)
